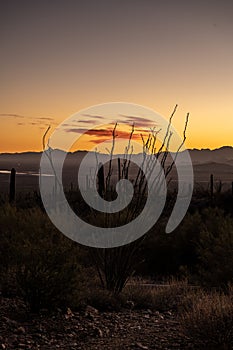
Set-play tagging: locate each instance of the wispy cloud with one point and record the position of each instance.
(91, 132)
(102, 134)
(87, 121)
(138, 121)
(76, 123)
(99, 140)
(12, 115)
(30, 120)
(45, 118)
(93, 116)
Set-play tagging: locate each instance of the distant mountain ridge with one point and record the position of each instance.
(219, 155)
(31, 160)
(218, 162)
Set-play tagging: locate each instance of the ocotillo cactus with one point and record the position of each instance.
(12, 186)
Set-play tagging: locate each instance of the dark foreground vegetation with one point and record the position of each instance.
(176, 287)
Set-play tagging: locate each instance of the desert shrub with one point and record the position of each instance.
(167, 253)
(215, 249)
(138, 296)
(168, 297)
(171, 296)
(42, 262)
(209, 322)
(92, 293)
(8, 256)
(8, 283)
(48, 278)
(8, 219)
(199, 249)
(104, 300)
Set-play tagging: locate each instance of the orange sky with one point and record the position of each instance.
(60, 57)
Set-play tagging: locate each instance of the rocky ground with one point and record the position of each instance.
(89, 329)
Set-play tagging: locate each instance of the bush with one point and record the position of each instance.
(41, 261)
(210, 321)
(92, 293)
(215, 249)
(139, 297)
(199, 249)
(104, 300)
(170, 297)
(48, 278)
(167, 253)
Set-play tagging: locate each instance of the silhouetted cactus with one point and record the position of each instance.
(218, 187)
(12, 186)
(101, 186)
(115, 266)
(119, 168)
(211, 186)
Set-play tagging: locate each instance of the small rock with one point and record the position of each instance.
(139, 345)
(21, 330)
(100, 333)
(69, 313)
(130, 304)
(91, 312)
(91, 309)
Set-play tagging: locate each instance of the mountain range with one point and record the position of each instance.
(30, 160)
(218, 162)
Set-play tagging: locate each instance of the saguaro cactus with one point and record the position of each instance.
(211, 186)
(101, 186)
(12, 185)
(119, 168)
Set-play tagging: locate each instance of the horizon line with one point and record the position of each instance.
(84, 150)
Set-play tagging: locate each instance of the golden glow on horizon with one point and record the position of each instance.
(148, 54)
(20, 135)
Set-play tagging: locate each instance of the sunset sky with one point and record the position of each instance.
(58, 57)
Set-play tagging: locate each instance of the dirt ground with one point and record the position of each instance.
(88, 329)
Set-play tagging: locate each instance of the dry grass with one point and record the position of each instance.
(206, 317)
(209, 320)
(174, 296)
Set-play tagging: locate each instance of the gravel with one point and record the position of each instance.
(88, 329)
